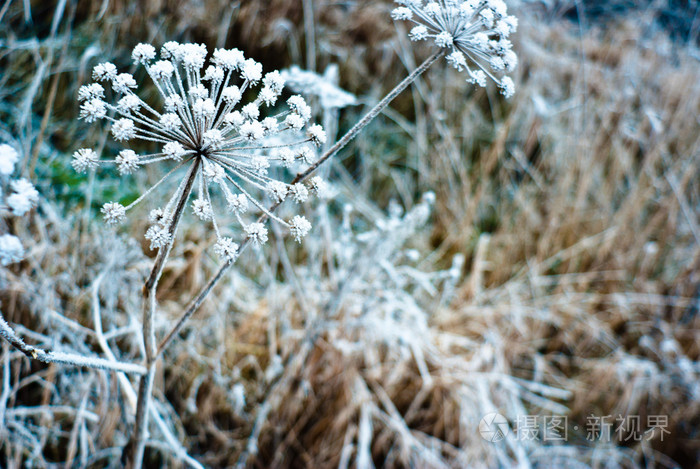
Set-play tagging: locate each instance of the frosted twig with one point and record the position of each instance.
(252, 445)
(51, 409)
(5, 385)
(369, 117)
(73, 359)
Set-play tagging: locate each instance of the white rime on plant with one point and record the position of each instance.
(23, 197)
(8, 158)
(230, 146)
(324, 87)
(475, 32)
(17, 197)
(11, 249)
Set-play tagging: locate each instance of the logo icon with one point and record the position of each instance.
(493, 427)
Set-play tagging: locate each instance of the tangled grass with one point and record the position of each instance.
(553, 272)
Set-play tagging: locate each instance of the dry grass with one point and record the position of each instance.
(575, 206)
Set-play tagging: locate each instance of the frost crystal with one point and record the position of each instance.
(127, 162)
(23, 198)
(300, 227)
(226, 249)
(84, 159)
(299, 193)
(91, 91)
(8, 159)
(202, 209)
(114, 213)
(474, 31)
(93, 110)
(257, 233)
(11, 249)
(158, 236)
(203, 126)
(317, 135)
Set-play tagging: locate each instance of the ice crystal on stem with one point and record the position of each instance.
(475, 32)
(204, 122)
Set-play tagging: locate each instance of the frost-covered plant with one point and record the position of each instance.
(206, 126)
(202, 128)
(377, 298)
(220, 142)
(216, 143)
(324, 87)
(474, 31)
(388, 295)
(18, 200)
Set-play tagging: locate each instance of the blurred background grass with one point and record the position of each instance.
(575, 206)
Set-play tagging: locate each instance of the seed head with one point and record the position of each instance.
(226, 249)
(257, 233)
(474, 31)
(24, 196)
(203, 123)
(114, 213)
(317, 135)
(159, 236)
(84, 159)
(300, 227)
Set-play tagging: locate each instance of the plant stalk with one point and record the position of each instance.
(134, 450)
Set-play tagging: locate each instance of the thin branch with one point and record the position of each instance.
(134, 450)
(352, 133)
(73, 359)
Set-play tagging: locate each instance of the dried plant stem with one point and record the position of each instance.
(339, 145)
(73, 359)
(134, 451)
(195, 304)
(310, 35)
(124, 382)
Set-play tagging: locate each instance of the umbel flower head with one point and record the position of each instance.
(229, 146)
(474, 31)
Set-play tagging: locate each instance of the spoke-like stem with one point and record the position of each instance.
(197, 301)
(134, 451)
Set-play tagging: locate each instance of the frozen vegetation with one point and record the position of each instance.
(349, 234)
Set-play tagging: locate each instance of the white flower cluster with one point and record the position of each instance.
(21, 198)
(204, 122)
(475, 32)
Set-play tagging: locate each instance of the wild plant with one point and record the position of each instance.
(211, 142)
